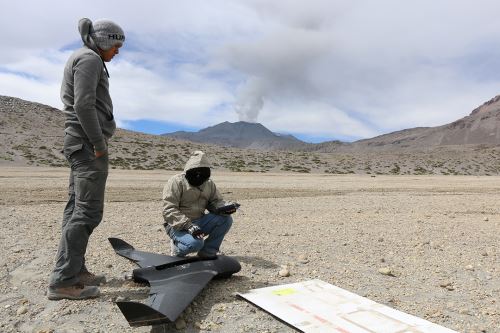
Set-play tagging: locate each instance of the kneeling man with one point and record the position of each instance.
(186, 196)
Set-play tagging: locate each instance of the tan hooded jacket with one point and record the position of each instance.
(183, 203)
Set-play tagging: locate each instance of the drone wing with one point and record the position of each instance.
(142, 258)
(174, 283)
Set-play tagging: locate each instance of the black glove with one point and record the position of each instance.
(195, 231)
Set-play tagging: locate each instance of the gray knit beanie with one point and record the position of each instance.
(102, 34)
(107, 34)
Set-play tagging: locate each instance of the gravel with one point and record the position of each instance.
(425, 245)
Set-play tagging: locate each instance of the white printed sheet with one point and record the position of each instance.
(315, 306)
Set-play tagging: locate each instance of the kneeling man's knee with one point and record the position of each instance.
(228, 221)
(195, 245)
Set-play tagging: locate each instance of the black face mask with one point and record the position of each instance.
(197, 176)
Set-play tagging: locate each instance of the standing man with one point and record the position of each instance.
(186, 196)
(88, 127)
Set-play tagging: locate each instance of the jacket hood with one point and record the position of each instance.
(198, 159)
(85, 28)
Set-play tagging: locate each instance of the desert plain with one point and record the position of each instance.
(426, 245)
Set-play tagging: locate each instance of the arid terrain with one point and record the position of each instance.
(31, 134)
(423, 244)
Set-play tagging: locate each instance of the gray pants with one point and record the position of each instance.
(83, 211)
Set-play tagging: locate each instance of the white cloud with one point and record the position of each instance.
(36, 77)
(30, 89)
(314, 119)
(139, 93)
(331, 68)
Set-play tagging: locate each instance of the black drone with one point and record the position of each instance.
(174, 282)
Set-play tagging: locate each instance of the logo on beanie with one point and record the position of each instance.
(116, 37)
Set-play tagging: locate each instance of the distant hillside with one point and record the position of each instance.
(242, 135)
(480, 127)
(32, 134)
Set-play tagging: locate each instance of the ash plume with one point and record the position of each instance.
(250, 101)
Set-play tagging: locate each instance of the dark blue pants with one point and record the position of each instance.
(215, 226)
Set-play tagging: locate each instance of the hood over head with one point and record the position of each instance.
(198, 159)
(197, 169)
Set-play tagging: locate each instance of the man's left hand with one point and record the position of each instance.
(196, 232)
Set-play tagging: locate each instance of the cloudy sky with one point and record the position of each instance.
(321, 70)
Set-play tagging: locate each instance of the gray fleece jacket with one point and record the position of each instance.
(85, 94)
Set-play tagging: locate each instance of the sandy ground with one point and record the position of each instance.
(438, 235)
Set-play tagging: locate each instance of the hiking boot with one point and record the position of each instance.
(75, 292)
(89, 279)
(204, 255)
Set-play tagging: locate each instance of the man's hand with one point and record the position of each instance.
(100, 153)
(230, 211)
(196, 232)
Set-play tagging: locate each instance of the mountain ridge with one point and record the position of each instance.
(31, 134)
(481, 126)
(240, 134)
